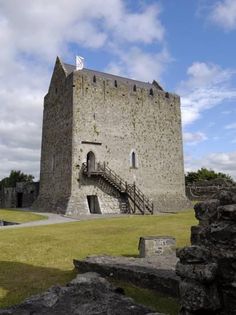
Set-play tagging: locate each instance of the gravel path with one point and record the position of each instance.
(52, 219)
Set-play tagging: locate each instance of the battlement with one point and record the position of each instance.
(97, 79)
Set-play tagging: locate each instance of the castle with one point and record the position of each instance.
(109, 145)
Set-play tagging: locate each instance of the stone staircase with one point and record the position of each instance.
(135, 201)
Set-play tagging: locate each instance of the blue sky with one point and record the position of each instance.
(187, 46)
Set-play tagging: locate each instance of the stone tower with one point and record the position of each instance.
(132, 128)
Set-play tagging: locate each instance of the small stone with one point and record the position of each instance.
(227, 270)
(204, 273)
(223, 233)
(227, 212)
(195, 296)
(227, 197)
(229, 299)
(206, 211)
(193, 254)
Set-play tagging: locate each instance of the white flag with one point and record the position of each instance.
(79, 63)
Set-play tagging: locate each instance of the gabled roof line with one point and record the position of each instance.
(71, 68)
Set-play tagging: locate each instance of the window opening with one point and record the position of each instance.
(133, 160)
(91, 162)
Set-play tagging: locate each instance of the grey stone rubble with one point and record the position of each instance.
(208, 267)
(87, 294)
(157, 273)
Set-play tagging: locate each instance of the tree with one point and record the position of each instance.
(14, 177)
(205, 174)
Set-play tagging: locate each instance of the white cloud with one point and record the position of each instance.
(194, 138)
(227, 112)
(140, 65)
(202, 74)
(140, 27)
(231, 126)
(44, 28)
(224, 14)
(33, 33)
(207, 86)
(19, 158)
(218, 161)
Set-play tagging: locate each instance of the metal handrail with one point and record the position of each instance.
(135, 194)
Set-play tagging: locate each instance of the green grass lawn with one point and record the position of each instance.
(19, 216)
(33, 259)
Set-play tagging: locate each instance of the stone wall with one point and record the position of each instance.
(208, 267)
(8, 197)
(56, 151)
(151, 272)
(125, 121)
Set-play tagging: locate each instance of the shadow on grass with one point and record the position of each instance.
(19, 281)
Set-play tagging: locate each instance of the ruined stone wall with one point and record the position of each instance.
(121, 121)
(206, 189)
(208, 267)
(55, 172)
(29, 192)
(9, 199)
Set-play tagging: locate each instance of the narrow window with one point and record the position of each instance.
(94, 79)
(115, 83)
(134, 88)
(56, 90)
(133, 160)
(151, 92)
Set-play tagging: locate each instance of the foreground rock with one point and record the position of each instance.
(208, 267)
(85, 295)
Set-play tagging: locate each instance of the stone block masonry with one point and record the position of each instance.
(132, 126)
(208, 267)
(150, 246)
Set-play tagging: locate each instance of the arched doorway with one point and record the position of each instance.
(91, 161)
